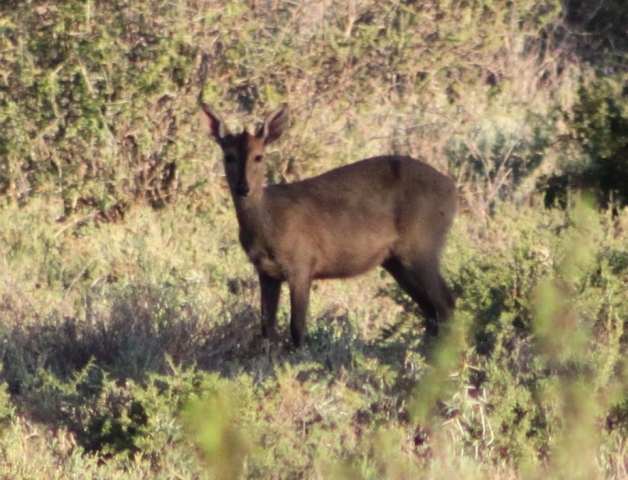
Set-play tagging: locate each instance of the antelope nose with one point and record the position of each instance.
(242, 189)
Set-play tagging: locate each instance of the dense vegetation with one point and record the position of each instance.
(129, 325)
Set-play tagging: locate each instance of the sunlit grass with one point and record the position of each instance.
(110, 365)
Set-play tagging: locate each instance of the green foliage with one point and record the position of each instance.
(601, 117)
(104, 418)
(603, 31)
(545, 342)
(212, 424)
(6, 408)
(81, 80)
(99, 99)
(111, 361)
(599, 126)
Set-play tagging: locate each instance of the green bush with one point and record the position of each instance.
(599, 129)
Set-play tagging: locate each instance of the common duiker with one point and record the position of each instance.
(392, 211)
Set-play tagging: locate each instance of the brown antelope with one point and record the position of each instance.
(391, 211)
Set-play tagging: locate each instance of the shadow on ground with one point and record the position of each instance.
(65, 371)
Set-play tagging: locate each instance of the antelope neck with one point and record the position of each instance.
(251, 215)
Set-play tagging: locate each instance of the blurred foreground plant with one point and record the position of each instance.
(212, 424)
(565, 341)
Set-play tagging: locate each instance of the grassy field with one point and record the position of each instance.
(151, 324)
(130, 341)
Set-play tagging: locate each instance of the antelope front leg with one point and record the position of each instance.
(299, 299)
(270, 289)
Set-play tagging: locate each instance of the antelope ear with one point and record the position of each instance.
(274, 125)
(216, 127)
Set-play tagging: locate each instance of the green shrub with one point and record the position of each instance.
(599, 131)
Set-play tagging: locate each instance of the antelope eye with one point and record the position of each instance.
(258, 158)
(230, 158)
